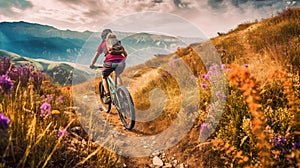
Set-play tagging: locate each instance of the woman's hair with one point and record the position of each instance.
(105, 33)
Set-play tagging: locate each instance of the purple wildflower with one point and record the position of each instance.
(282, 139)
(45, 109)
(4, 64)
(228, 70)
(278, 141)
(223, 66)
(62, 133)
(21, 74)
(5, 83)
(218, 94)
(246, 65)
(49, 97)
(214, 67)
(37, 77)
(203, 126)
(209, 73)
(204, 85)
(4, 122)
(60, 99)
(296, 145)
(205, 76)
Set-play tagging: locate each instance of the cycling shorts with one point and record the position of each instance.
(109, 67)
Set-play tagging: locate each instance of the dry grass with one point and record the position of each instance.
(241, 77)
(268, 47)
(32, 140)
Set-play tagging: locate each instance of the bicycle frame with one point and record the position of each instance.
(113, 85)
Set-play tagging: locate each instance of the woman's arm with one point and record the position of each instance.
(95, 58)
(98, 52)
(124, 52)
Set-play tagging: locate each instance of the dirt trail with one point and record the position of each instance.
(139, 140)
(139, 81)
(185, 153)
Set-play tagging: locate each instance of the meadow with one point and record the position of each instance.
(36, 119)
(259, 126)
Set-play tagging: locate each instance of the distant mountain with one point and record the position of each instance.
(46, 42)
(37, 30)
(145, 40)
(41, 41)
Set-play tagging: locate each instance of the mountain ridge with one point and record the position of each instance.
(43, 41)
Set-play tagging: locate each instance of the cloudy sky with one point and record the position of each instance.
(167, 16)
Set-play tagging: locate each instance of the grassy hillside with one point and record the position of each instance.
(60, 73)
(271, 42)
(260, 120)
(244, 110)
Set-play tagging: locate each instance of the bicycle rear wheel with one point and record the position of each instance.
(105, 107)
(126, 109)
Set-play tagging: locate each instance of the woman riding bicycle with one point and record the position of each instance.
(110, 59)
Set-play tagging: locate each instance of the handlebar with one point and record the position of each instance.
(97, 66)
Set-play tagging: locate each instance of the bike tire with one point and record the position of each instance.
(105, 107)
(126, 110)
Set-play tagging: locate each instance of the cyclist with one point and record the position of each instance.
(110, 59)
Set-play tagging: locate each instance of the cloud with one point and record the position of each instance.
(125, 7)
(10, 7)
(209, 16)
(94, 13)
(212, 16)
(157, 23)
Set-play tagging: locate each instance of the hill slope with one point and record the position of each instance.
(60, 72)
(264, 45)
(253, 44)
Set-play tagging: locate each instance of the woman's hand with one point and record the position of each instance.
(92, 66)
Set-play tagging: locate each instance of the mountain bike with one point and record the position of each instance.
(120, 97)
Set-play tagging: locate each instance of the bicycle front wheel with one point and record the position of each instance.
(105, 107)
(126, 109)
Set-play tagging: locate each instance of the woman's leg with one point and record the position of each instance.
(105, 73)
(118, 72)
(105, 84)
